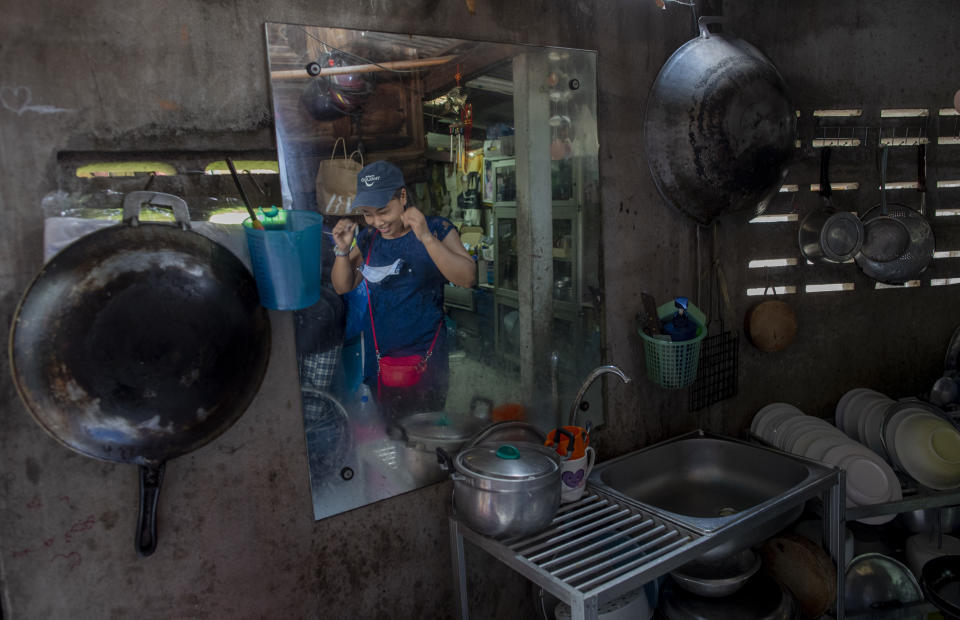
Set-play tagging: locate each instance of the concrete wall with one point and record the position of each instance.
(237, 538)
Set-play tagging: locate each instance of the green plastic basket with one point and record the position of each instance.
(674, 364)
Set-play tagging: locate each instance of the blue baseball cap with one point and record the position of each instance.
(376, 185)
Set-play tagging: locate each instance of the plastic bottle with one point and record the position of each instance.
(680, 326)
(365, 407)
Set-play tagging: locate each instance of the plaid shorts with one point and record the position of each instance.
(318, 369)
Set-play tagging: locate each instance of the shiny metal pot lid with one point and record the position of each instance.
(507, 462)
(439, 426)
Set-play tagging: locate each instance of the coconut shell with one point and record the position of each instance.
(771, 326)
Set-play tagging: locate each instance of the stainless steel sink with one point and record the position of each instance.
(710, 483)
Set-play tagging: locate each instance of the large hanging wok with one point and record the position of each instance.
(139, 343)
(719, 127)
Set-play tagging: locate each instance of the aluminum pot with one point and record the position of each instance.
(421, 435)
(505, 489)
(925, 520)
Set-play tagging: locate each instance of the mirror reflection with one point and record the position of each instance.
(458, 182)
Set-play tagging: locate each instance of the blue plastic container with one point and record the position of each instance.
(286, 258)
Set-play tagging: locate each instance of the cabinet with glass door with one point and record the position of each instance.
(499, 192)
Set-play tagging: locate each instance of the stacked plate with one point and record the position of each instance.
(870, 480)
(860, 414)
(913, 436)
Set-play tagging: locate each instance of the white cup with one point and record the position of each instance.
(574, 474)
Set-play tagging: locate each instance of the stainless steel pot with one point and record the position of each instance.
(505, 489)
(932, 520)
(423, 433)
(719, 127)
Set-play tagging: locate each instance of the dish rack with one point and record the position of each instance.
(915, 497)
(600, 546)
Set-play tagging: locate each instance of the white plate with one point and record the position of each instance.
(840, 410)
(847, 422)
(896, 493)
(869, 479)
(890, 432)
(870, 426)
(772, 411)
(758, 416)
(819, 447)
(867, 482)
(770, 424)
(786, 428)
(857, 407)
(803, 442)
(790, 430)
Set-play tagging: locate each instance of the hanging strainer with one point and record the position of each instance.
(920, 242)
(885, 236)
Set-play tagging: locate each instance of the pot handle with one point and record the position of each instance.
(150, 480)
(445, 460)
(397, 432)
(134, 201)
(708, 19)
(499, 426)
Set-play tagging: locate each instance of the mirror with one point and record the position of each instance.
(500, 141)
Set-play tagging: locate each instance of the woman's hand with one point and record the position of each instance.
(413, 219)
(343, 234)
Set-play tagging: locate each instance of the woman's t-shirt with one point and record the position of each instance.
(408, 305)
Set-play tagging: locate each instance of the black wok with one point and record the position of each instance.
(719, 128)
(139, 343)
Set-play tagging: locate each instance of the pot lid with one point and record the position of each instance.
(507, 461)
(439, 426)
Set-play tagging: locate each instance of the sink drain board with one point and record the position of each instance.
(598, 544)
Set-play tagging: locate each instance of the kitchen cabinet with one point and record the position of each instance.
(499, 193)
(566, 265)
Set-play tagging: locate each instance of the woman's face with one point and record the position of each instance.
(386, 219)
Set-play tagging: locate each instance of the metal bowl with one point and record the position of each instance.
(876, 581)
(762, 598)
(719, 577)
(924, 521)
(941, 584)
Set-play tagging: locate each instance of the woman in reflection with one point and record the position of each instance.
(405, 258)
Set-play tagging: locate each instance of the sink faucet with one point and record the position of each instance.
(594, 374)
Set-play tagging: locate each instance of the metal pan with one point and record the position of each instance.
(139, 343)
(827, 235)
(719, 128)
(940, 580)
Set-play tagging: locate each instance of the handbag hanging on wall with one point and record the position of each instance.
(337, 180)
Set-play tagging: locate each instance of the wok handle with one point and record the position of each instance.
(134, 201)
(708, 19)
(150, 480)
